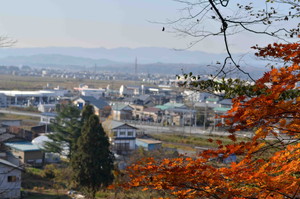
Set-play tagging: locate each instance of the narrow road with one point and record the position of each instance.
(20, 113)
(182, 130)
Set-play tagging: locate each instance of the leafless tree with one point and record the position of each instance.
(6, 42)
(201, 19)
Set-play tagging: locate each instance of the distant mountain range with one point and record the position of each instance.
(150, 59)
(144, 55)
(48, 60)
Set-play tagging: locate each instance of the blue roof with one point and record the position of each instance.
(22, 146)
(99, 103)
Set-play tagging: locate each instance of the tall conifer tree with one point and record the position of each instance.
(92, 163)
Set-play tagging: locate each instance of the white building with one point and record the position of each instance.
(10, 180)
(26, 98)
(122, 136)
(91, 92)
(129, 90)
(3, 100)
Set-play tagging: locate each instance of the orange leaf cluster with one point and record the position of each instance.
(274, 114)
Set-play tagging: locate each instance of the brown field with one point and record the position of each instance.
(11, 82)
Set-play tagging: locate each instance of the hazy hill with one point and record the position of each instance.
(48, 60)
(144, 55)
(150, 60)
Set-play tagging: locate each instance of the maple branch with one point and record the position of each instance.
(203, 190)
(273, 190)
(297, 190)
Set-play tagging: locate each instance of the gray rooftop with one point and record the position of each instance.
(99, 103)
(120, 106)
(112, 124)
(5, 162)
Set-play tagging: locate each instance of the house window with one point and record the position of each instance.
(115, 133)
(130, 133)
(122, 133)
(11, 178)
(122, 146)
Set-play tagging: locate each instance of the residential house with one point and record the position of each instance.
(101, 107)
(121, 111)
(137, 112)
(27, 152)
(145, 100)
(176, 98)
(181, 116)
(122, 136)
(171, 117)
(10, 180)
(152, 114)
(148, 144)
(160, 99)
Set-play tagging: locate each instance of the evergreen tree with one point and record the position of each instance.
(87, 111)
(66, 130)
(92, 163)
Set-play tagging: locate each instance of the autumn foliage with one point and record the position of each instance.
(269, 165)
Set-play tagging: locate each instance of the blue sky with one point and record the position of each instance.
(100, 23)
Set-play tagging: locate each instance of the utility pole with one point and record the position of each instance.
(205, 113)
(135, 67)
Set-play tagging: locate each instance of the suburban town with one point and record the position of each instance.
(173, 99)
(130, 114)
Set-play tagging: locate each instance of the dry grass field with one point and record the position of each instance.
(11, 82)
